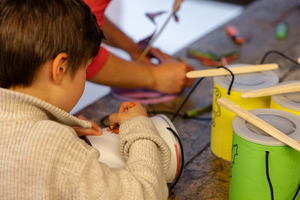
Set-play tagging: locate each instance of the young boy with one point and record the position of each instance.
(45, 48)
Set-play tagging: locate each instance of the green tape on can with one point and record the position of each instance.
(250, 165)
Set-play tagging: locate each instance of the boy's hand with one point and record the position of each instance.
(95, 130)
(124, 113)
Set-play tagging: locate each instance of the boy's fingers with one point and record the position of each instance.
(82, 117)
(113, 118)
(94, 124)
(95, 130)
(85, 131)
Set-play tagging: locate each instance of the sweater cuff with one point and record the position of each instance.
(141, 128)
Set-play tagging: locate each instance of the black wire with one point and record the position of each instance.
(182, 159)
(189, 94)
(268, 175)
(296, 193)
(279, 53)
(232, 80)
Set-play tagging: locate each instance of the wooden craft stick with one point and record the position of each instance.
(279, 89)
(299, 60)
(235, 70)
(149, 46)
(256, 121)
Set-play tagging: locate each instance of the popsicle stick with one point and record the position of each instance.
(149, 46)
(235, 70)
(299, 60)
(256, 121)
(279, 89)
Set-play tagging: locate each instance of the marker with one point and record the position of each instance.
(234, 34)
(198, 111)
(281, 30)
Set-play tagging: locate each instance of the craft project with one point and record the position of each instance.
(246, 115)
(221, 129)
(283, 88)
(108, 143)
(287, 100)
(263, 167)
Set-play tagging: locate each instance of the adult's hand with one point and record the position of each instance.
(170, 77)
(176, 5)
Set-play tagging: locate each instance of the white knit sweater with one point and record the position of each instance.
(41, 157)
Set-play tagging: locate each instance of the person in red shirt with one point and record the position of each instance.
(108, 69)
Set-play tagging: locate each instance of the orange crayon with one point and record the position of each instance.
(234, 34)
(115, 128)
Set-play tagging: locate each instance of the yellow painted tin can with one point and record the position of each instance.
(221, 129)
(287, 101)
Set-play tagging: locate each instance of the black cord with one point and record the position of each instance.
(268, 175)
(189, 94)
(279, 53)
(182, 159)
(232, 80)
(296, 193)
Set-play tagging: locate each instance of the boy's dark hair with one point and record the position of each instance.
(35, 31)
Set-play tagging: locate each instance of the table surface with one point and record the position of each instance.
(204, 175)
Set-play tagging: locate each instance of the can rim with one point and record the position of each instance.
(239, 127)
(283, 101)
(271, 80)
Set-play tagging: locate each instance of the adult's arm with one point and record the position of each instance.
(115, 37)
(167, 78)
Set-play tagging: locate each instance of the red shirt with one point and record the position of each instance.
(98, 7)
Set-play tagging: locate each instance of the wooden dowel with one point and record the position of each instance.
(279, 89)
(256, 121)
(235, 70)
(149, 46)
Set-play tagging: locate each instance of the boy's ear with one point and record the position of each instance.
(59, 67)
